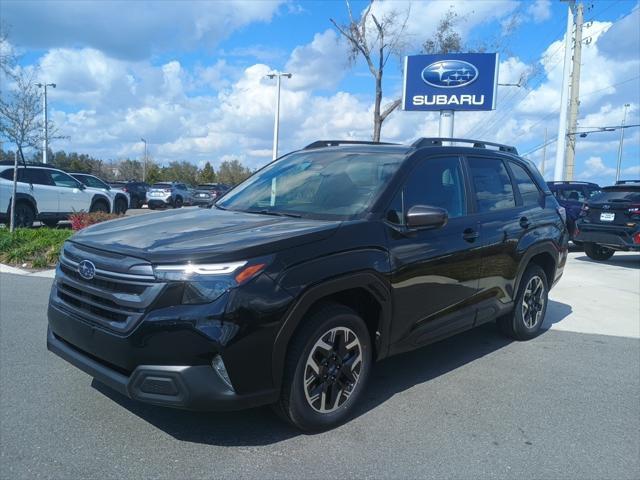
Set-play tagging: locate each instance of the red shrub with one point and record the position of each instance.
(80, 220)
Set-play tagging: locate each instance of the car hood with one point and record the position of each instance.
(198, 234)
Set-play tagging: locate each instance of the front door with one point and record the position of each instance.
(73, 197)
(434, 272)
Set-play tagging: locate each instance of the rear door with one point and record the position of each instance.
(502, 222)
(435, 272)
(42, 188)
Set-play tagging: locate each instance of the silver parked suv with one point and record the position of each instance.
(168, 194)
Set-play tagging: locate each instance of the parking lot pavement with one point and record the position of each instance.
(564, 405)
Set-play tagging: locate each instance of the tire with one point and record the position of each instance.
(99, 206)
(324, 403)
(25, 215)
(50, 223)
(120, 206)
(598, 252)
(177, 203)
(526, 320)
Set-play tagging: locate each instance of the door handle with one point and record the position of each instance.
(470, 235)
(524, 222)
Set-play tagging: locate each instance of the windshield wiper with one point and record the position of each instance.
(274, 213)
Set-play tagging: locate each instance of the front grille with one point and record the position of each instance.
(118, 295)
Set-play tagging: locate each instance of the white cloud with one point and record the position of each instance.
(595, 167)
(540, 10)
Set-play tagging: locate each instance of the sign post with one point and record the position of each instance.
(446, 83)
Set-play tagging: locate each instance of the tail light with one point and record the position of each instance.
(634, 211)
(636, 238)
(125, 189)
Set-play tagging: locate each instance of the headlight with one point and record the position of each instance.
(204, 283)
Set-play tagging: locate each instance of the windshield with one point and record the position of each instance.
(617, 194)
(335, 184)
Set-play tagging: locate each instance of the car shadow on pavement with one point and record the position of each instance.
(556, 312)
(261, 426)
(626, 261)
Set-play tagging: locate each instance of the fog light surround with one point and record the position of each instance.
(218, 365)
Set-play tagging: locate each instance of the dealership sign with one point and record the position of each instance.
(457, 81)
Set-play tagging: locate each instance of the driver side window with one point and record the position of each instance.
(436, 182)
(64, 180)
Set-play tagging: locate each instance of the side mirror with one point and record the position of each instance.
(424, 216)
(81, 186)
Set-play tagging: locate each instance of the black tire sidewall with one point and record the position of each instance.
(120, 206)
(595, 252)
(29, 213)
(521, 331)
(300, 412)
(97, 204)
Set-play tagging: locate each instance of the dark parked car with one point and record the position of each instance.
(215, 189)
(610, 221)
(572, 196)
(137, 192)
(202, 197)
(293, 284)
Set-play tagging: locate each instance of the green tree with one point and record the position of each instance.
(207, 174)
(181, 172)
(232, 172)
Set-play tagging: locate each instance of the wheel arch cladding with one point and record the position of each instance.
(547, 263)
(365, 293)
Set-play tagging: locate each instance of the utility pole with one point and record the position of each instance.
(574, 101)
(45, 128)
(144, 161)
(544, 151)
(276, 124)
(624, 119)
(562, 123)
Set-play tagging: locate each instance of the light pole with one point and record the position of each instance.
(144, 161)
(624, 119)
(45, 141)
(276, 126)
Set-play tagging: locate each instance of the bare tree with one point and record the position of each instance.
(446, 38)
(375, 40)
(20, 122)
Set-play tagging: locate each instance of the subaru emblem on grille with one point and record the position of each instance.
(87, 269)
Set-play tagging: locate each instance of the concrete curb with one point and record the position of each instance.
(18, 271)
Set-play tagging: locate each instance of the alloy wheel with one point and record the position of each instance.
(333, 369)
(533, 302)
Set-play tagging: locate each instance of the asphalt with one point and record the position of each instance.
(564, 405)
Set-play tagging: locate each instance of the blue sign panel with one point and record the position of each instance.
(456, 81)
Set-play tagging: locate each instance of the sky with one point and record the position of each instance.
(190, 77)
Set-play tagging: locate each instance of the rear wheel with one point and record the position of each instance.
(24, 215)
(598, 252)
(530, 306)
(99, 206)
(120, 206)
(177, 203)
(327, 368)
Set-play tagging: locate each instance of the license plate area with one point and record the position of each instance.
(607, 217)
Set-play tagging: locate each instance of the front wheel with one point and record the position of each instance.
(327, 368)
(177, 203)
(530, 306)
(598, 252)
(120, 206)
(99, 206)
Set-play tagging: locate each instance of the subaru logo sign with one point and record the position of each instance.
(453, 81)
(87, 269)
(449, 74)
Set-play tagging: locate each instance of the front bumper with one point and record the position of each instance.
(190, 387)
(612, 236)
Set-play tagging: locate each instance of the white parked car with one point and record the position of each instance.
(47, 194)
(119, 198)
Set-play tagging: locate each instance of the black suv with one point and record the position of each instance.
(137, 192)
(610, 221)
(298, 279)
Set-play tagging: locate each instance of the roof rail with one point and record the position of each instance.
(626, 182)
(335, 143)
(439, 142)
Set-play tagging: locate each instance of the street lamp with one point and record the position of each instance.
(45, 141)
(624, 119)
(144, 161)
(276, 126)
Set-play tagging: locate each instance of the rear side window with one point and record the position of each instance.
(527, 188)
(36, 176)
(491, 183)
(7, 174)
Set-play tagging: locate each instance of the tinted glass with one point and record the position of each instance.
(491, 183)
(7, 174)
(63, 180)
(36, 176)
(437, 182)
(528, 190)
(617, 194)
(319, 183)
(572, 194)
(90, 181)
